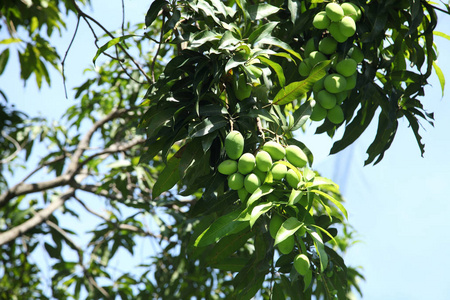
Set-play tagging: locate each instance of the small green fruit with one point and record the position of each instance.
(275, 150)
(301, 264)
(346, 67)
(318, 86)
(336, 33)
(246, 163)
(321, 20)
(228, 167)
(275, 224)
(318, 113)
(278, 171)
(316, 57)
(287, 245)
(251, 182)
(326, 99)
(349, 10)
(296, 156)
(309, 47)
(335, 83)
(340, 97)
(351, 82)
(328, 45)
(234, 144)
(263, 161)
(359, 12)
(236, 181)
(292, 178)
(304, 68)
(261, 175)
(347, 26)
(356, 54)
(336, 115)
(334, 11)
(243, 194)
(242, 89)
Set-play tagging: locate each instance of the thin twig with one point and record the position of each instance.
(65, 56)
(15, 143)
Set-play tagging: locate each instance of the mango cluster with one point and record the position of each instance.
(339, 23)
(273, 164)
(246, 172)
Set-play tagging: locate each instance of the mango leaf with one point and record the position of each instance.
(276, 42)
(295, 196)
(227, 246)
(168, 177)
(261, 32)
(260, 11)
(297, 89)
(207, 126)
(320, 248)
(439, 73)
(258, 210)
(258, 193)
(109, 44)
(301, 115)
(326, 232)
(4, 60)
(232, 264)
(153, 11)
(222, 227)
(334, 201)
(288, 228)
(276, 67)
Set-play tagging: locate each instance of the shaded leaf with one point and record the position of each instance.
(168, 177)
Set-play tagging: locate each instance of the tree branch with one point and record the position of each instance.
(40, 217)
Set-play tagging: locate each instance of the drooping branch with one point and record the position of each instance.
(40, 217)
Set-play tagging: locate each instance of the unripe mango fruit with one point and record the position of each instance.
(296, 156)
(251, 182)
(278, 171)
(336, 115)
(246, 163)
(292, 178)
(347, 26)
(326, 99)
(334, 11)
(275, 224)
(349, 10)
(336, 33)
(301, 264)
(228, 167)
(318, 85)
(236, 181)
(309, 47)
(328, 45)
(356, 53)
(316, 57)
(243, 194)
(304, 68)
(287, 245)
(318, 113)
(275, 150)
(234, 144)
(335, 83)
(242, 90)
(261, 175)
(321, 20)
(346, 67)
(263, 161)
(351, 82)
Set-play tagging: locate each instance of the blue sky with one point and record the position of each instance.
(399, 207)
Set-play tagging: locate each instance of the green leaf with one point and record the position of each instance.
(232, 264)
(258, 193)
(222, 227)
(334, 201)
(441, 34)
(439, 73)
(278, 43)
(258, 210)
(207, 126)
(227, 246)
(110, 44)
(168, 177)
(276, 67)
(260, 11)
(262, 32)
(288, 228)
(320, 248)
(301, 115)
(297, 89)
(153, 11)
(4, 60)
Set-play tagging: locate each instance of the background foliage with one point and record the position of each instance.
(153, 164)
